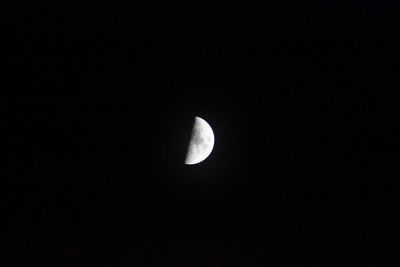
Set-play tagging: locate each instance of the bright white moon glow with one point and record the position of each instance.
(201, 142)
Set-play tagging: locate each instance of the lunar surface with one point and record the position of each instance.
(201, 142)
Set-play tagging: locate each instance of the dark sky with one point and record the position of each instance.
(302, 100)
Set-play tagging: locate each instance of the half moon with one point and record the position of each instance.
(201, 142)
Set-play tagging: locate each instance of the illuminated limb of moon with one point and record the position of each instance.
(201, 142)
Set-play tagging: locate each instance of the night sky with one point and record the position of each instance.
(97, 107)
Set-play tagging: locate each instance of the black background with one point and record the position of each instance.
(302, 100)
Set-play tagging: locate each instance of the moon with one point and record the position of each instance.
(201, 142)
